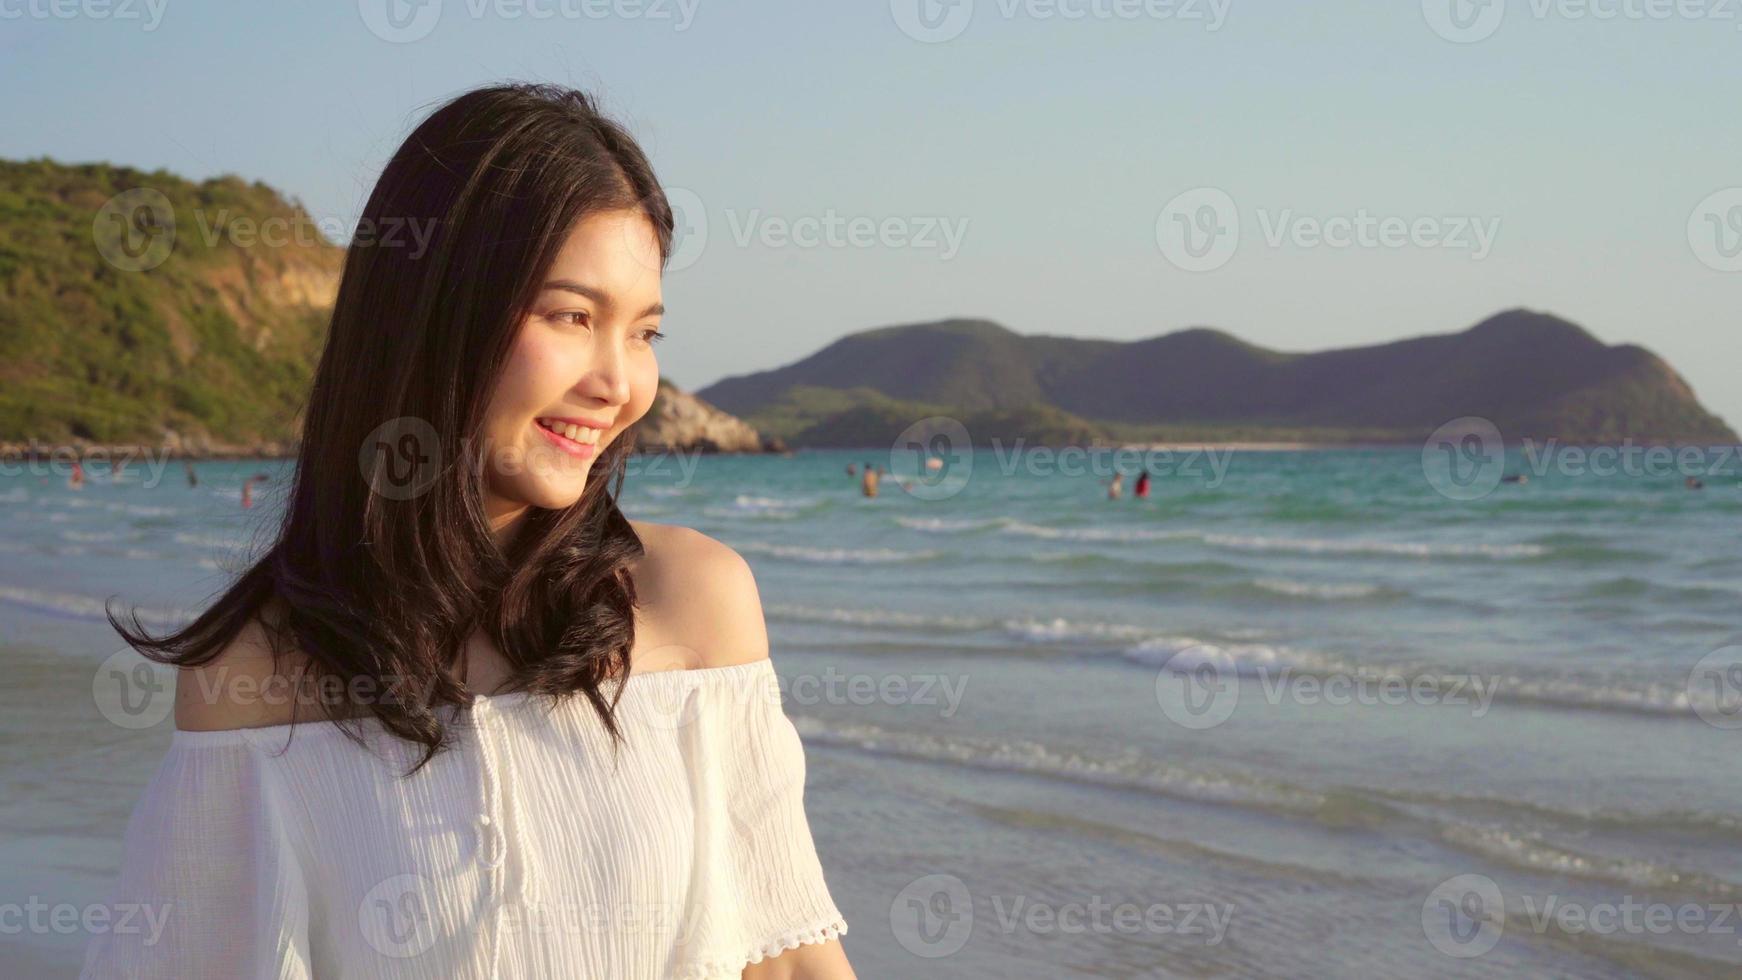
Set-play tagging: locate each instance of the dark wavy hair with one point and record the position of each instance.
(379, 583)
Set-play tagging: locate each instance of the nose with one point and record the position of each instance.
(607, 377)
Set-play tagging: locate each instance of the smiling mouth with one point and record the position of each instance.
(581, 440)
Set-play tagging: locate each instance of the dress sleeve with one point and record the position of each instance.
(209, 887)
(758, 887)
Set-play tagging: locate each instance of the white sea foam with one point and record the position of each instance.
(1317, 590)
(83, 607)
(835, 556)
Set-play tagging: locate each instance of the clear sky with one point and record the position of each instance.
(1022, 160)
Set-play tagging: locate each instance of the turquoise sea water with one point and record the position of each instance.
(1296, 714)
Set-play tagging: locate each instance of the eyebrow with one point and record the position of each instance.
(582, 289)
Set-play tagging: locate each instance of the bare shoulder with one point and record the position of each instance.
(244, 686)
(699, 595)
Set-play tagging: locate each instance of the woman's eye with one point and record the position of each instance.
(576, 317)
(652, 335)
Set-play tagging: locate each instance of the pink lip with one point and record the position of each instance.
(567, 445)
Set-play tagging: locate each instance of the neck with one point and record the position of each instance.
(506, 520)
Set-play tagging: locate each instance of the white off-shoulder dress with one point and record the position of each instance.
(527, 851)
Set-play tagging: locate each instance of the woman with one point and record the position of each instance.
(464, 719)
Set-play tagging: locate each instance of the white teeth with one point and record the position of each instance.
(582, 434)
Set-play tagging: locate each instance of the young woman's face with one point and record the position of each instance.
(581, 370)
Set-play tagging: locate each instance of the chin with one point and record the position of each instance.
(552, 493)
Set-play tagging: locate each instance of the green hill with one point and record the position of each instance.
(219, 339)
(1532, 374)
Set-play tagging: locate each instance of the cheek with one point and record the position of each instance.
(528, 375)
(643, 386)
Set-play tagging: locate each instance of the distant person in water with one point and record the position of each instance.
(77, 480)
(248, 489)
(1515, 478)
(1116, 486)
(869, 485)
(193, 478)
(852, 468)
(1694, 483)
(1141, 490)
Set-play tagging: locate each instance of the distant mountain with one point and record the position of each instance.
(1532, 374)
(680, 421)
(215, 342)
(206, 345)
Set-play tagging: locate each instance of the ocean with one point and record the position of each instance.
(1296, 714)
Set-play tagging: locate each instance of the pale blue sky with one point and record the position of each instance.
(1051, 145)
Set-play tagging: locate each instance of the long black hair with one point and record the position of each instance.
(385, 562)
